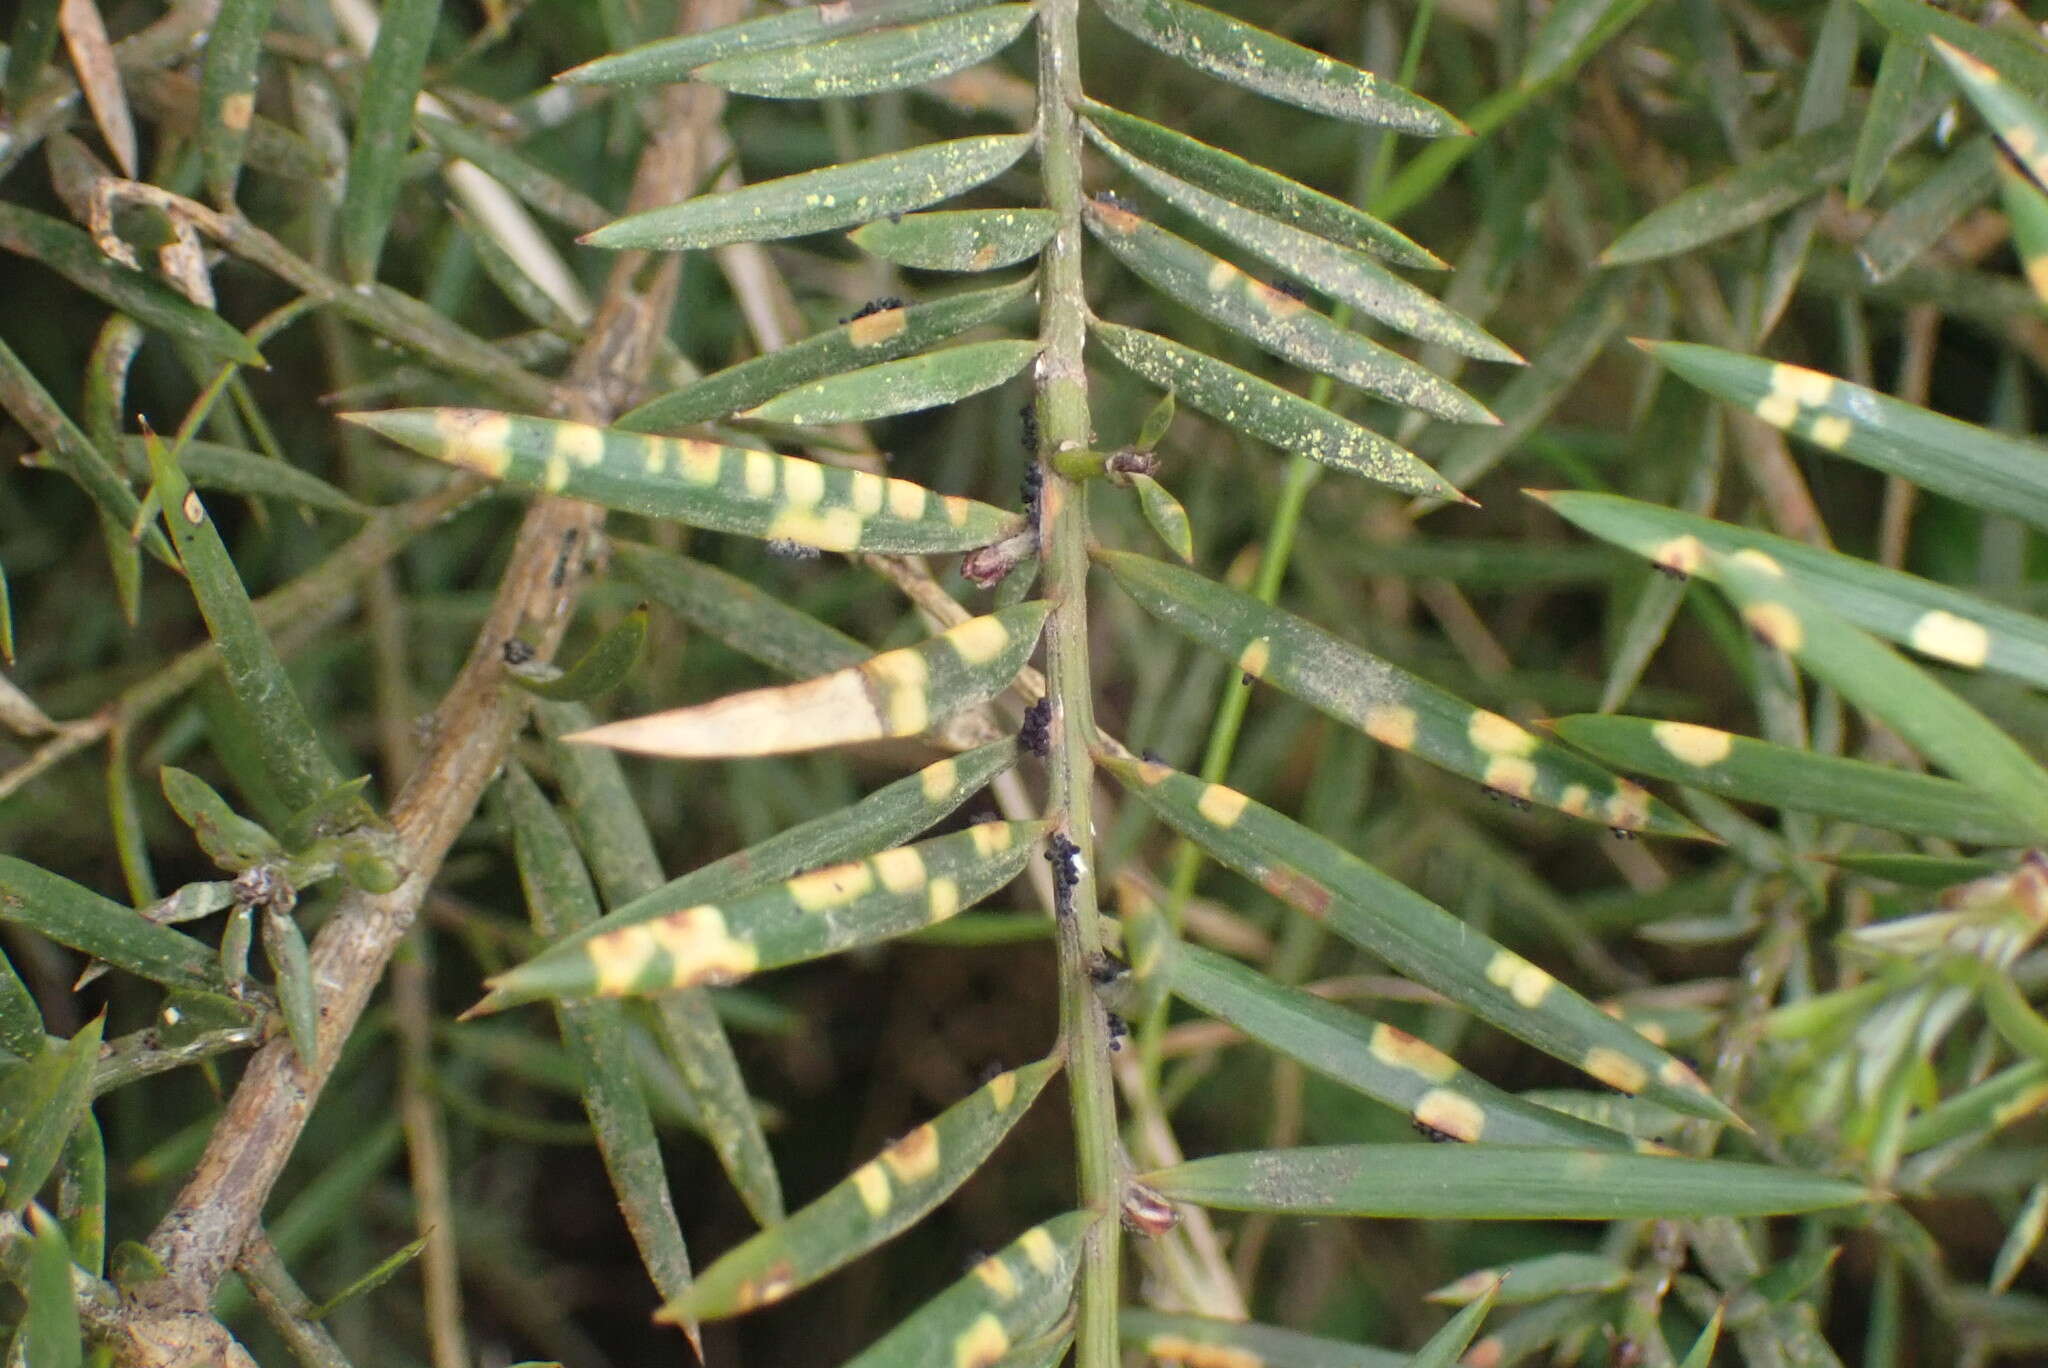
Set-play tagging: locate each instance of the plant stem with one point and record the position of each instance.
(1063, 537)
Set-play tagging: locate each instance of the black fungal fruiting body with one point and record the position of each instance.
(785, 549)
(1027, 421)
(872, 307)
(1113, 200)
(1433, 1135)
(517, 652)
(1065, 858)
(1119, 1031)
(1105, 969)
(1036, 734)
(1293, 289)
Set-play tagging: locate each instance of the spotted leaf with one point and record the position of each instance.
(883, 1198)
(1203, 1340)
(1262, 410)
(1755, 771)
(1251, 57)
(896, 693)
(722, 488)
(958, 239)
(1011, 1297)
(813, 915)
(1388, 704)
(1980, 466)
(1497, 1183)
(1947, 730)
(1951, 626)
(819, 201)
(882, 335)
(1385, 917)
(881, 59)
(673, 59)
(889, 816)
(1256, 188)
(1381, 1061)
(1273, 318)
(906, 386)
(1340, 272)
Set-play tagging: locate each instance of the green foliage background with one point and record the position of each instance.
(1849, 962)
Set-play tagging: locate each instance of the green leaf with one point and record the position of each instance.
(1411, 933)
(227, 91)
(1893, 96)
(1754, 771)
(1381, 1061)
(722, 488)
(297, 998)
(294, 760)
(1795, 170)
(379, 1273)
(1273, 318)
(2012, 1094)
(43, 1103)
(383, 131)
(1528, 1281)
(1234, 51)
(1571, 32)
(229, 839)
(822, 913)
(2020, 63)
(232, 470)
(896, 693)
(887, 817)
(1011, 1296)
(50, 1336)
(600, 669)
(1259, 409)
(1339, 272)
(958, 239)
(30, 43)
(1920, 871)
(541, 190)
(596, 1035)
(1447, 1344)
(1183, 1339)
(882, 335)
(2026, 209)
(1256, 188)
(1166, 515)
(1877, 679)
(82, 1194)
(1388, 704)
(879, 1201)
(73, 915)
(916, 382)
(755, 624)
(1158, 419)
(862, 64)
(1944, 623)
(1496, 1183)
(1701, 1355)
(21, 1021)
(819, 201)
(673, 59)
(2017, 121)
(1921, 217)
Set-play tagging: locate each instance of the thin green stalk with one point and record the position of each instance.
(1063, 547)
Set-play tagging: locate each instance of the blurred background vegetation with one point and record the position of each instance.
(1894, 269)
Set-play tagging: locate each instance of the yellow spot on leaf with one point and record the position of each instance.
(1395, 1048)
(1680, 555)
(1510, 774)
(1628, 807)
(1458, 1117)
(1831, 430)
(1195, 1354)
(1391, 725)
(907, 500)
(990, 838)
(774, 1284)
(194, 510)
(1002, 1089)
(832, 529)
(996, 1276)
(1495, 735)
(698, 462)
(901, 676)
(1957, 640)
(978, 640)
(1255, 657)
(832, 887)
(554, 476)
(2025, 1104)
(901, 869)
(620, 959)
(877, 327)
(580, 443)
(1490, 1352)
(1221, 274)
(981, 1344)
(1776, 624)
(865, 493)
(1574, 799)
(1616, 1069)
(1808, 387)
(237, 110)
(803, 484)
(936, 781)
(1697, 746)
(915, 1156)
(1039, 1248)
(943, 896)
(1760, 561)
(958, 511)
(1221, 805)
(1525, 983)
(757, 472)
(1676, 1073)
(700, 949)
(873, 1186)
(478, 439)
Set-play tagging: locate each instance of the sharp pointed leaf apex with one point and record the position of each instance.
(1647, 344)
(1542, 496)
(489, 1004)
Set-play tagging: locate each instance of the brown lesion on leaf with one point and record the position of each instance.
(1298, 890)
(775, 1283)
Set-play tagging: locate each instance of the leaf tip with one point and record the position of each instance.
(1542, 496)
(491, 1003)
